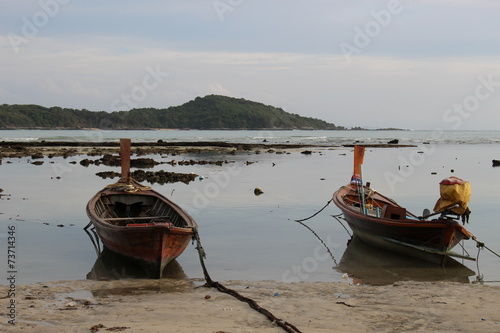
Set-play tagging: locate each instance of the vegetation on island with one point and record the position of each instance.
(209, 112)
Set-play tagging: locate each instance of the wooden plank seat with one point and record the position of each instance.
(111, 219)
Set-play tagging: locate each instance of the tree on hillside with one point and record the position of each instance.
(209, 112)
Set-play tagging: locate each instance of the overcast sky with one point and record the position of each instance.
(406, 64)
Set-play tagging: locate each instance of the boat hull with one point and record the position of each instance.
(428, 240)
(150, 241)
(432, 254)
(151, 247)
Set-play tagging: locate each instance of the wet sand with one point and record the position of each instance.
(169, 305)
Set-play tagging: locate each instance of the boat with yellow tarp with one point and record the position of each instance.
(382, 222)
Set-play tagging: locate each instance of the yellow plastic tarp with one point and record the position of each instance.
(453, 193)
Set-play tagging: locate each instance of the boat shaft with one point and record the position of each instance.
(125, 157)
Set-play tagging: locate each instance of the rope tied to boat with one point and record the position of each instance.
(310, 217)
(322, 242)
(480, 245)
(214, 284)
(315, 234)
(338, 217)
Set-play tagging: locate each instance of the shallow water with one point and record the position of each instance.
(248, 237)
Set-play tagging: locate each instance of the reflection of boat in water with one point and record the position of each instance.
(111, 266)
(370, 265)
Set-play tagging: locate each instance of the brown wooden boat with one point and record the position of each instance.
(139, 223)
(381, 222)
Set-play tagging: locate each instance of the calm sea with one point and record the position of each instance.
(295, 137)
(255, 237)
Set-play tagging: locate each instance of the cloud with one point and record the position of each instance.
(217, 89)
(370, 91)
(423, 59)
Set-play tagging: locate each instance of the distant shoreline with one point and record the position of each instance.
(192, 129)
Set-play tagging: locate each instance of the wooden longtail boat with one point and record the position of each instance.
(139, 223)
(381, 222)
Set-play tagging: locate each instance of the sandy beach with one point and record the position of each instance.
(183, 306)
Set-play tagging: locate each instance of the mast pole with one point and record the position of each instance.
(363, 208)
(125, 159)
(357, 179)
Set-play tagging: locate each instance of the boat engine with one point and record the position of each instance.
(455, 196)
